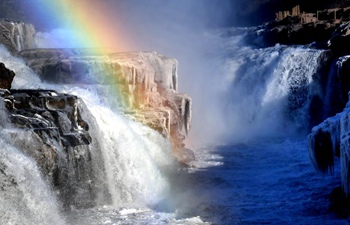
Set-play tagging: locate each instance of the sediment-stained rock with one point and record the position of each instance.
(144, 83)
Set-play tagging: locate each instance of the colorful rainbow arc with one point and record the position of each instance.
(93, 29)
(87, 18)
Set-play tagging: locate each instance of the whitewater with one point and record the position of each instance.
(254, 170)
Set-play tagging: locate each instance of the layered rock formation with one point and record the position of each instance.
(16, 35)
(54, 128)
(144, 85)
(50, 128)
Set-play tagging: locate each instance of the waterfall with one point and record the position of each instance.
(137, 159)
(268, 92)
(25, 197)
(131, 160)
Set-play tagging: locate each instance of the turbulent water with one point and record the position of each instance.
(257, 171)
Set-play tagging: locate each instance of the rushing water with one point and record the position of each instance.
(265, 182)
(262, 101)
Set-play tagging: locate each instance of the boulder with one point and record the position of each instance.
(6, 77)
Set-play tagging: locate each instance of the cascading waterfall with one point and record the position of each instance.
(261, 93)
(25, 197)
(136, 159)
(268, 92)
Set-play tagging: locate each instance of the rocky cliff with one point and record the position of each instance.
(49, 127)
(143, 84)
(54, 128)
(16, 35)
(330, 139)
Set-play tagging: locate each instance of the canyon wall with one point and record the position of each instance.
(143, 85)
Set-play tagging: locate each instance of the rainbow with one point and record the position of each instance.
(95, 25)
(92, 26)
(101, 32)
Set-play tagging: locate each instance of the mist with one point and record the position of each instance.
(181, 29)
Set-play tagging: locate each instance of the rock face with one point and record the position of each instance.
(144, 83)
(290, 31)
(6, 77)
(331, 139)
(339, 42)
(51, 130)
(16, 35)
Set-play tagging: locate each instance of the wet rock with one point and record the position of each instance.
(16, 35)
(340, 204)
(290, 31)
(331, 139)
(50, 128)
(340, 39)
(6, 77)
(144, 84)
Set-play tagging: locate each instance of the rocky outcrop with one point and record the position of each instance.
(290, 31)
(16, 35)
(339, 43)
(331, 139)
(6, 77)
(144, 84)
(50, 128)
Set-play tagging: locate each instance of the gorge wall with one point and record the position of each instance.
(329, 111)
(144, 83)
(58, 131)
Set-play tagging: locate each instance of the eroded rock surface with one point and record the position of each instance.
(331, 139)
(50, 128)
(144, 84)
(16, 35)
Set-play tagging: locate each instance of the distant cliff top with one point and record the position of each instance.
(241, 12)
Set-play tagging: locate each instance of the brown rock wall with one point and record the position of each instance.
(145, 83)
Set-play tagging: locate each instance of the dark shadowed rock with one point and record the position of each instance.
(6, 77)
(290, 31)
(144, 84)
(51, 129)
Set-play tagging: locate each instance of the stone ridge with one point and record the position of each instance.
(143, 85)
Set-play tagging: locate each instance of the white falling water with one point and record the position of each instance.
(267, 92)
(137, 159)
(25, 197)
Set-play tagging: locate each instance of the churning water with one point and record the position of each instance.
(256, 172)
